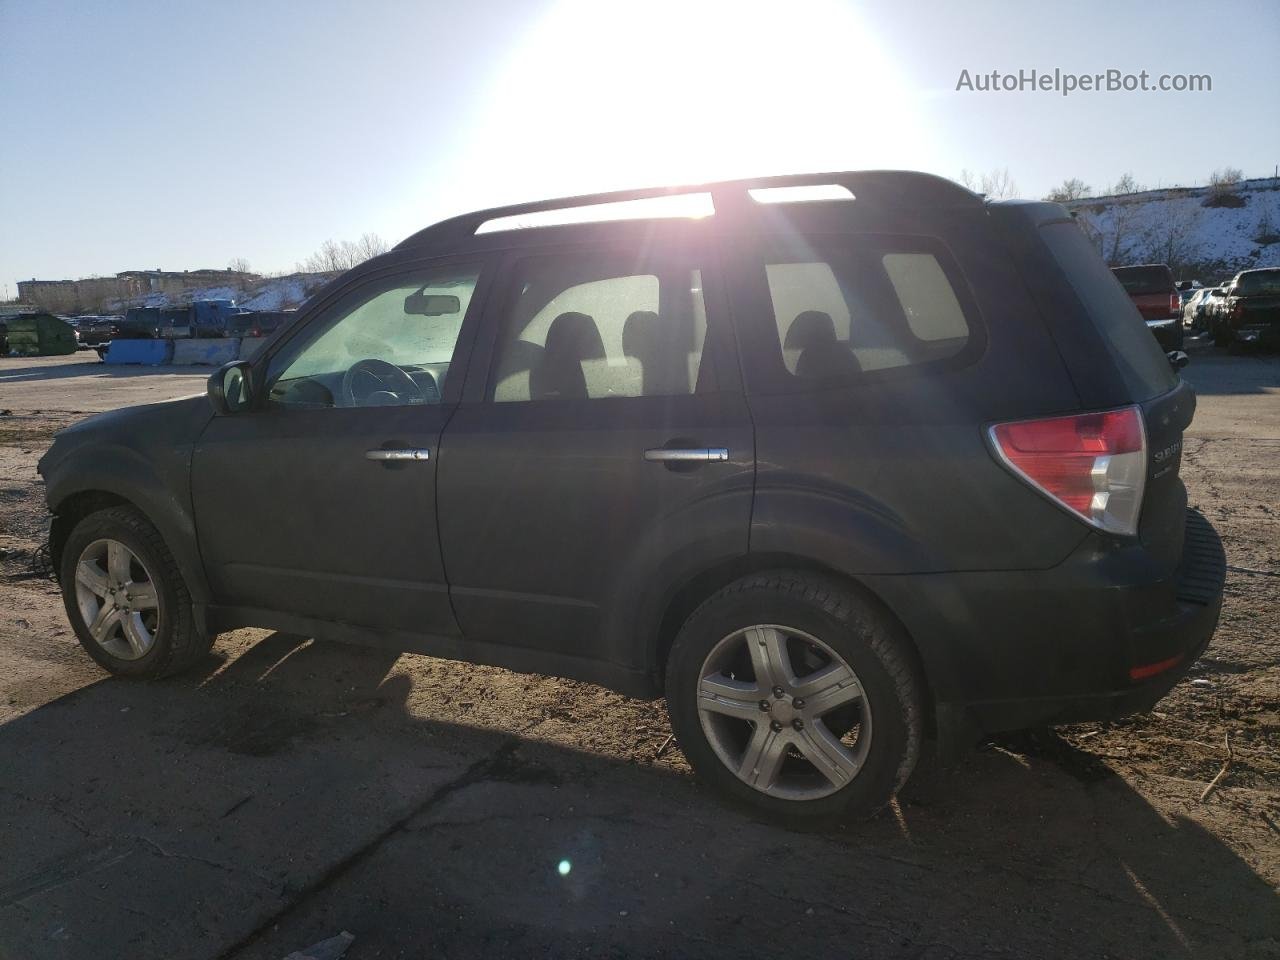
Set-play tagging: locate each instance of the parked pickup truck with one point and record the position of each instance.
(1250, 312)
(1151, 288)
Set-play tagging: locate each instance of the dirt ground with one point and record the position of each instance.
(289, 790)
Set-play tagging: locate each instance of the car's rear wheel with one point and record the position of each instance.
(796, 695)
(126, 598)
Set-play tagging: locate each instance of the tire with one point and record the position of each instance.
(154, 591)
(821, 621)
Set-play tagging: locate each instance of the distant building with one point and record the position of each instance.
(84, 296)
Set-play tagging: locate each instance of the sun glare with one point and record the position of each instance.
(684, 92)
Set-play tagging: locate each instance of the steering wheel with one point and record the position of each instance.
(388, 379)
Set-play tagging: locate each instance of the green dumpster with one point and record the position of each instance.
(39, 335)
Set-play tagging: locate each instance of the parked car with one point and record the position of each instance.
(1191, 308)
(1151, 287)
(93, 330)
(201, 318)
(831, 475)
(139, 323)
(1250, 309)
(257, 323)
(1206, 310)
(1187, 289)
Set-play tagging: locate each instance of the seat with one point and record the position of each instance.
(662, 351)
(571, 339)
(821, 355)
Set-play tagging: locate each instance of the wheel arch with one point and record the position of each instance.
(74, 508)
(174, 526)
(694, 591)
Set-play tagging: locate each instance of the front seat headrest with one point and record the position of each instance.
(571, 339)
(812, 328)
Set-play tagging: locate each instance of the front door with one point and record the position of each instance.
(608, 446)
(320, 501)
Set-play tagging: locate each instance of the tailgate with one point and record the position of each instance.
(1164, 502)
(1259, 310)
(1153, 306)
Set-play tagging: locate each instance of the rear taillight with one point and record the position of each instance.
(1175, 303)
(1237, 310)
(1094, 464)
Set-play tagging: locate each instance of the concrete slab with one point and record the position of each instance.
(149, 352)
(210, 353)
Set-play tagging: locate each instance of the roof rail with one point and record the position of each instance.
(881, 188)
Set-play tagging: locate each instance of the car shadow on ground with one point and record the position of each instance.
(271, 799)
(89, 366)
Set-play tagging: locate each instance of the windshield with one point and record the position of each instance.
(1260, 283)
(1139, 281)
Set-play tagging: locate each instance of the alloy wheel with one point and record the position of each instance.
(117, 599)
(784, 712)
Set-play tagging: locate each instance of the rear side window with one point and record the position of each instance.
(1143, 281)
(1142, 364)
(600, 326)
(845, 307)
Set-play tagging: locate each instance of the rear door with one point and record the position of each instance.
(604, 446)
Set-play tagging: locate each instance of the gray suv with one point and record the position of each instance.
(835, 463)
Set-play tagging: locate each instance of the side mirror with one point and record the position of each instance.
(1177, 359)
(421, 304)
(230, 389)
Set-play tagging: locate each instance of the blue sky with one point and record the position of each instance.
(182, 135)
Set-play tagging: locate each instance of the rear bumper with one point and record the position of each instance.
(1105, 634)
(1267, 334)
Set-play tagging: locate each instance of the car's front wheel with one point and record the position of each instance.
(796, 695)
(125, 597)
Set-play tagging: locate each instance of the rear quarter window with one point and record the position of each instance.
(859, 308)
(1137, 355)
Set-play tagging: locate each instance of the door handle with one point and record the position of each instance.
(419, 453)
(687, 454)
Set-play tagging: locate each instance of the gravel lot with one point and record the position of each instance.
(288, 790)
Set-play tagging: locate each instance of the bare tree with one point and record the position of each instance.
(1224, 188)
(240, 267)
(1073, 189)
(997, 185)
(1171, 238)
(337, 256)
(1127, 184)
(1268, 228)
(1228, 178)
(370, 245)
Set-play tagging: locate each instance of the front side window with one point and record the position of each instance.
(388, 343)
(598, 326)
(845, 308)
